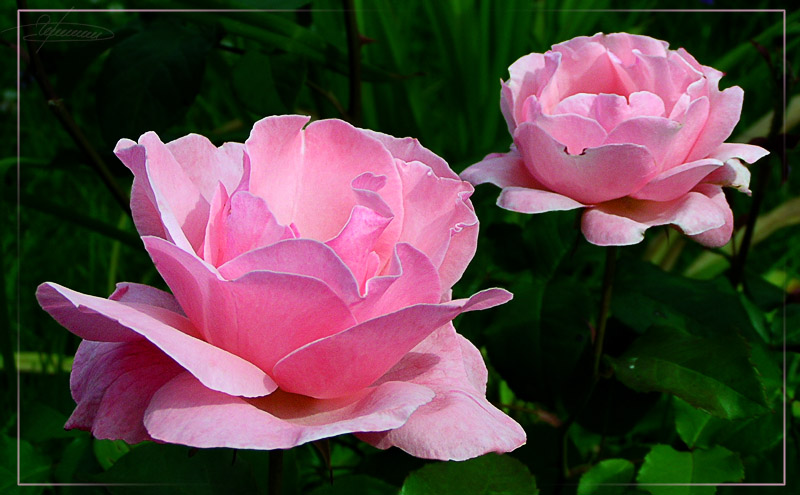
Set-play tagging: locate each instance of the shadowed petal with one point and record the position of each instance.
(186, 412)
(170, 332)
(623, 222)
(112, 384)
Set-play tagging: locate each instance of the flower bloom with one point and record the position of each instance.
(311, 272)
(625, 128)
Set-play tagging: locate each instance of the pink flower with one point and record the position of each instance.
(310, 272)
(625, 128)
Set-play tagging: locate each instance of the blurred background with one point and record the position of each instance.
(431, 70)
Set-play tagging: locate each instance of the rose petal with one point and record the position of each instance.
(413, 280)
(746, 152)
(128, 292)
(502, 170)
(677, 181)
(292, 169)
(599, 174)
(526, 200)
(410, 150)
(146, 216)
(261, 316)
(349, 361)
(623, 222)
(439, 220)
(247, 224)
(216, 368)
(357, 240)
(657, 134)
(184, 411)
(205, 165)
(112, 384)
(573, 131)
(718, 237)
(184, 211)
(300, 257)
(529, 75)
(459, 423)
(723, 115)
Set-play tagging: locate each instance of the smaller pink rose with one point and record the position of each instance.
(625, 128)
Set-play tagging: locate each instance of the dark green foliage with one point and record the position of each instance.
(691, 381)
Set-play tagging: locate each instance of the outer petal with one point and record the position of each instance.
(502, 170)
(716, 237)
(529, 75)
(410, 150)
(216, 368)
(326, 369)
(183, 209)
(726, 107)
(146, 216)
(733, 173)
(623, 222)
(292, 170)
(677, 181)
(599, 174)
(186, 412)
(439, 219)
(459, 423)
(526, 200)
(112, 384)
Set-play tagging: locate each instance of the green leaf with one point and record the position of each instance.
(700, 429)
(33, 466)
(646, 296)
(254, 85)
(665, 465)
(714, 374)
(486, 475)
(149, 80)
(179, 469)
(361, 484)
(108, 452)
(610, 471)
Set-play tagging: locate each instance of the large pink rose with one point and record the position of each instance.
(625, 128)
(310, 272)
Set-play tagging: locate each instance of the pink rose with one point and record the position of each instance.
(310, 273)
(625, 128)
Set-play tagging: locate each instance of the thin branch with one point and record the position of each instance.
(58, 108)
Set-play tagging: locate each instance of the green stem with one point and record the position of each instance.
(605, 305)
(275, 472)
(602, 319)
(760, 187)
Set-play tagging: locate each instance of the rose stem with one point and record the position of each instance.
(56, 104)
(354, 57)
(275, 472)
(602, 318)
(605, 304)
(759, 191)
